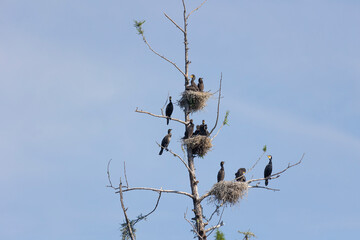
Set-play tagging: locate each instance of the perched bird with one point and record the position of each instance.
(197, 131)
(168, 111)
(203, 129)
(268, 170)
(201, 85)
(193, 86)
(189, 129)
(165, 142)
(239, 175)
(221, 173)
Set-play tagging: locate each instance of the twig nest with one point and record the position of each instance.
(193, 101)
(199, 144)
(228, 192)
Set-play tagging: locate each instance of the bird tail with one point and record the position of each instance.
(266, 182)
(167, 121)
(161, 151)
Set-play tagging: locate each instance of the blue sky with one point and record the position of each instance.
(73, 72)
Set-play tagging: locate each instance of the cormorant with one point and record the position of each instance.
(201, 85)
(169, 110)
(203, 129)
(189, 129)
(239, 175)
(221, 173)
(197, 131)
(165, 142)
(193, 86)
(268, 170)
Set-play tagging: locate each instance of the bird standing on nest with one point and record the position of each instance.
(189, 129)
(203, 129)
(268, 170)
(165, 142)
(239, 175)
(193, 86)
(169, 110)
(197, 131)
(201, 85)
(221, 173)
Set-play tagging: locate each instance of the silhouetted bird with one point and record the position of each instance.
(221, 173)
(239, 175)
(165, 142)
(203, 129)
(169, 110)
(193, 86)
(201, 85)
(197, 131)
(268, 170)
(189, 129)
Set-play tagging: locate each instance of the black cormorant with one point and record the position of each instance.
(203, 129)
(221, 173)
(197, 131)
(165, 142)
(192, 86)
(201, 85)
(169, 110)
(268, 170)
(189, 129)
(239, 175)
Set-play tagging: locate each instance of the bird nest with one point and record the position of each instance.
(199, 145)
(228, 192)
(193, 101)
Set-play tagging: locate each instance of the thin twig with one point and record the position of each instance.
(162, 109)
(124, 210)
(272, 189)
(108, 174)
(218, 108)
(215, 211)
(177, 155)
(256, 163)
(196, 9)
(174, 23)
(276, 175)
(174, 64)
(219, 224)
(192, 225)
(160, 116)
(127, 184)
(222, 125)
(156, 205)
(157, 190)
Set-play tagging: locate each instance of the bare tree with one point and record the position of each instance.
(199, 222)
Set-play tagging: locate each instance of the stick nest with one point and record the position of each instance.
(193, 101)
(199, 144)
(228, 192)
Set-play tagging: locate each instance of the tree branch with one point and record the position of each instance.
(160, 116)
(196, 9)
(204, 196)
(124, 210)
(219, 224)
(157, 190)
(215, 211)
(276, 175)
(257, 186)
(192, 225)
(174, 23)
(256, 162)
(144, 217)
(218, 108)
(146, 42)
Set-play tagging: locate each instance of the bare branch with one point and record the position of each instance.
(276, 175)
(215, 211)
(218, 108)
(166, 59)
(219, 224)
(204, 196)
(124, 210)
(192, 225)
(160, 116)
(108, 174)
(127, 184)
(257, 186)
(162, 109)
(144, 217)
(174, 23)
(177, 155)
(196, 8)
(157, 190)
(256, 163)
(222, 125)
